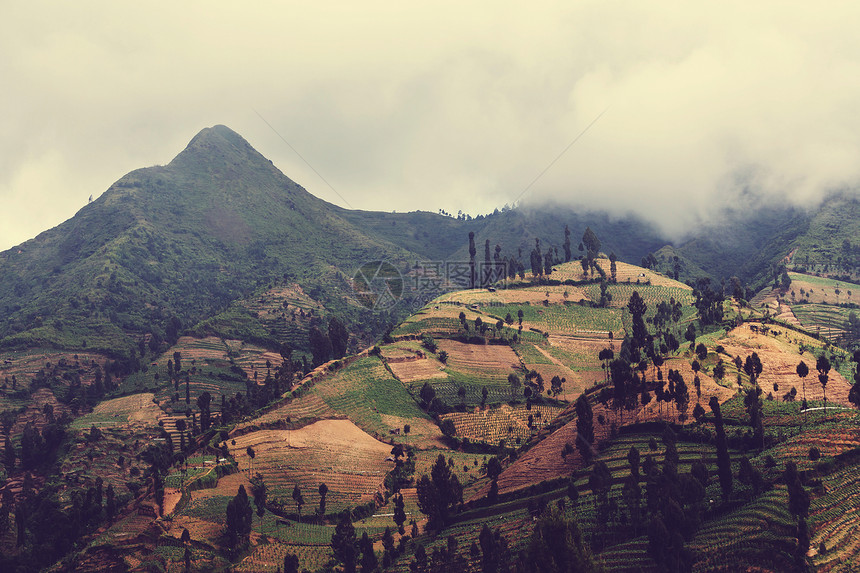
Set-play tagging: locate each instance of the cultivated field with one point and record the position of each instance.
(134, 409)
(335, 452)
(490, 425)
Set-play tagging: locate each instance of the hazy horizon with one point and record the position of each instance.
(460, 107)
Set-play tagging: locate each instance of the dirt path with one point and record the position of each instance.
(551, 358)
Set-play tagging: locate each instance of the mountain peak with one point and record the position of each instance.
(218, 144)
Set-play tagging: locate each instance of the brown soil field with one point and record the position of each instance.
(336, 452)
(308, 406)
(420, 369)
(779, 359)
(543, 461)
(24, 365)
(533, 295)
(134, 409)
(821, 290)
(34, 414)
(492, 424)
(481, 358)
(624, 271)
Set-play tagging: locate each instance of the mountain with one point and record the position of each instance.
(167, 246)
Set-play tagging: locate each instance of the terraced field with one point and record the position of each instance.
(335, 452)
(501, 423)
(566, 319)
(828, 321)
(833, 521)
(759, 534)
(134, 409)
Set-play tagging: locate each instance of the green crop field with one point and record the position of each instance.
(760, 533)
(564, 318)
(367, 393)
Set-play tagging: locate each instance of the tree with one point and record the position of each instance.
(584, 428)
(204, 402)
(110, 503)
(803, 371)
(320, 346)
(515, 384)
(494, 550)
(343, 543)
(323, 491)
(369, 561)
(251, 455)
(399, 512)
(592, 247)
(239, 515)
(472, 252)
(338, 337)
(823, 367)
(299, 499)
(258, 490)
(637, 307)
(291, 563)
(8, 454)
(438, 494)
(177, 361)
(724, 464)
(566, 244)
(556, 545)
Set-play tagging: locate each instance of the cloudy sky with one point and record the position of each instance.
(454, 105)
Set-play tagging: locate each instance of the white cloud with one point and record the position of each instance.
(455, 105)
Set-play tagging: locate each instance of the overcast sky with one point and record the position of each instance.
(454, 105)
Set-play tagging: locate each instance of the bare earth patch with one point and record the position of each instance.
(482, 358)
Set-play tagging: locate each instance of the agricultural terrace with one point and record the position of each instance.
(113, 458)
(566, 319)
(615, 458)
(552, 294)
(408, 361)
(118, 412)
(833, 521)
(34, 411)
(25, 364)
(544, 460)
(761, 533)
(439, 318)
(365, 392)
(469, 468)
(651, 294)
(515, 525)
(819, 290)
(219, 353)
(335, 452)
(490, 425)
(833, 434)
(625, 273)
(780, 356)
(571, 357)
(492, 362)
(825, 320)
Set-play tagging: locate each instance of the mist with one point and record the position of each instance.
(445, 105)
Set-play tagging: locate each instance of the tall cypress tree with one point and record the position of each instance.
(584, 428)
(724, 463)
